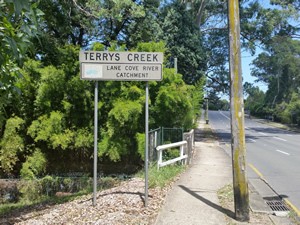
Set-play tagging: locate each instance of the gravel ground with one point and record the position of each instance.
(120, 205)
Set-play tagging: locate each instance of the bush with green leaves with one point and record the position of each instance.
(123, 121)
(51, 129)
(173, 103)
(12, 144)
(140, 138)
(289, 113)
(58, 111)
(49, 185)
(30, 190)
(34, 166)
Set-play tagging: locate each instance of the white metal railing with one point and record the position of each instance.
(182, 156)
(190, 138)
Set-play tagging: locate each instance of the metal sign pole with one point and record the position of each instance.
(95, 143)
(146, 144)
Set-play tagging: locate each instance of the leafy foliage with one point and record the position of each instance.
(140, 138)
(34, 166)
(173, 99)
(183, 41)
(255, 101)
(279, 68)
(123, 121)
(50, 92)
(18, 23)
(12, 144)
(49, 129)
(29, 190)
(289, 112)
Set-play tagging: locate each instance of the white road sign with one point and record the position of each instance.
(127, 66)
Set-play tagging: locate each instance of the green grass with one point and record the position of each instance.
(22, 205)
(163, 176)
(225, 194)
(294, 217)
(7, 208)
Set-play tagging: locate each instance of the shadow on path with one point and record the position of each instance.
(204, 134)
(228, 212)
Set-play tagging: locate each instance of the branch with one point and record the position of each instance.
(214, 28)
(84, 11)
(200, 12)
(244, 35)
(214, 79)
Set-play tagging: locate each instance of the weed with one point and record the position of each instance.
(163, 176)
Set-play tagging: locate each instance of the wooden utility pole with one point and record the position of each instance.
(240, 183)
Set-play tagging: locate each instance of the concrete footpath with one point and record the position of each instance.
(193, 199)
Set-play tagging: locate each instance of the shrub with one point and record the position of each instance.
(11, 144)
(30, 190)
(34, 165)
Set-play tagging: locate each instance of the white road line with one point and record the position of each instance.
(224, 115)
(262, 133)
(281, 139)
(252, 140)
(283, 152)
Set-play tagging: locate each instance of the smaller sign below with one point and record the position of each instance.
(118, 71)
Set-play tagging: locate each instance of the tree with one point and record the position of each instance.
(18, 23)
(145, 28)
(64, 22)
(184, 42)
(258, 26)
(211, 17)
(215, 102)
(279, 68)
(255, 100)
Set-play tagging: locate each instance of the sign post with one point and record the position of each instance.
(120, 66)
(146, 143)
(95, 143)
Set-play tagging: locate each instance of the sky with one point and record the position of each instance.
(247, 59)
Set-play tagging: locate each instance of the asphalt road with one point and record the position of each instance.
(273, 153)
